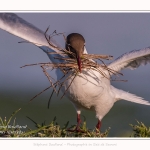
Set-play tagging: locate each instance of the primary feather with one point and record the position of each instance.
(131, 60)
(21, 28)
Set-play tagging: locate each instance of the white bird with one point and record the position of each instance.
(89, 90)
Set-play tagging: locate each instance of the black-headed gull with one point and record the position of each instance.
(89, 90)
(75, 43)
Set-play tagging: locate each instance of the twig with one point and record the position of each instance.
(69, 85)
(69, 66)
(39, 93)
(50, 97)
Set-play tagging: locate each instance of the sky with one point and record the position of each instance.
(105, 33)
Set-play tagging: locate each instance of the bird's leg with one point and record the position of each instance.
(77, 129)
(98, 126)
(78, 122)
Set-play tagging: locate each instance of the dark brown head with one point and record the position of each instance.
(75, 43)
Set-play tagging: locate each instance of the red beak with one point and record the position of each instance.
(79, 62)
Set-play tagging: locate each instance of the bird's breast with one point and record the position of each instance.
(86, 88)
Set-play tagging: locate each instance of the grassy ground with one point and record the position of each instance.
(9, 128)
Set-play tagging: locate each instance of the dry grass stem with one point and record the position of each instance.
(68, 65)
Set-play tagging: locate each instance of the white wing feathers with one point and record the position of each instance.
(120, 94)
(132, 59)
(21, 28)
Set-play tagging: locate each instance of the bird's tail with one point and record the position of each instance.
(120, 94)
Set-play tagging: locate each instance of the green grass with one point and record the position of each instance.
(9, 128)
(140, 130)
(54, 130)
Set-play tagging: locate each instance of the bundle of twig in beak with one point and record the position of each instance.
(87, 59)
(69, 67)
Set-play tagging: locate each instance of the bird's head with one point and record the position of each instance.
(75, 43)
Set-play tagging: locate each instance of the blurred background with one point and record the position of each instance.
(105, 33)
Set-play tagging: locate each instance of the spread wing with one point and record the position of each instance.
(21, 28)
(131, 60)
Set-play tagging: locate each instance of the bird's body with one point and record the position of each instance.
(89, 89)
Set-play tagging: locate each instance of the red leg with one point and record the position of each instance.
(78, 120)
(77, 129)
(98, 126)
